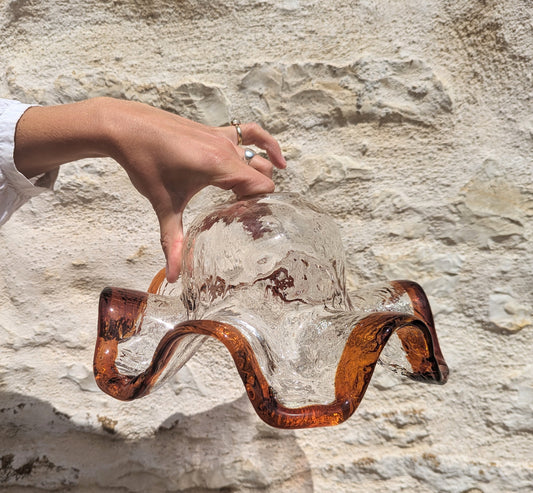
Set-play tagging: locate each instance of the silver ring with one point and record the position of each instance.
(248, 155)
(236, 123)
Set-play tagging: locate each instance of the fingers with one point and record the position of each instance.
(259, 163)
(254, 134)
(172, 243)
(264, 166)
(249, 181)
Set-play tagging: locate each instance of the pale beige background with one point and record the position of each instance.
(410, 122)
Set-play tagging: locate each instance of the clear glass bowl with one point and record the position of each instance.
(266, 277)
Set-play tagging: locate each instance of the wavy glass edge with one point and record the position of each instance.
(120, 316)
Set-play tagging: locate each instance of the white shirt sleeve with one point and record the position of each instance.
(15, 188)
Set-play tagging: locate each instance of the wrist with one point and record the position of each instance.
(105, 130)
(119, 126)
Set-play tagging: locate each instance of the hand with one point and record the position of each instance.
(168, 158)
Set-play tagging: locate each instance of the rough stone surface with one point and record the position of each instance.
(409, 122)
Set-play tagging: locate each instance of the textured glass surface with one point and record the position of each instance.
(266, 277)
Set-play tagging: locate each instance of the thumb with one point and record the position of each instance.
(171, 226)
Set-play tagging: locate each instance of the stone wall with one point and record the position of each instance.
(410, 122)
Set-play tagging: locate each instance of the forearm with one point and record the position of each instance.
(168, 158)
(47, 137)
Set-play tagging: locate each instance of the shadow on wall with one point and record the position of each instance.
(225, 449)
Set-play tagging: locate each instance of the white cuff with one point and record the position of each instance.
(15, 188)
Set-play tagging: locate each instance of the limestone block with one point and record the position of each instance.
(82, 376)
(193, 99)
(409, 122)
(517, 384)
(330, 170)
(425, 260)
(507, 313)
(491, 210)
(325, 95)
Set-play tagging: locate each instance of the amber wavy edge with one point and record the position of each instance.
(120, 309)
